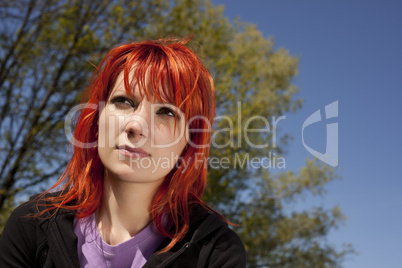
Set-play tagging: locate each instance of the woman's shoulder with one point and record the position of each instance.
(222, 243)
(30, 211)
(209, 242)
(25, 211)
(19, 238)
(32, 228)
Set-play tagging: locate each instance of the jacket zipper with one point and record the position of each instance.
(174, 256)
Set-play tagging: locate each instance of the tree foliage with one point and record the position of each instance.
(47, 52)
(47, 48)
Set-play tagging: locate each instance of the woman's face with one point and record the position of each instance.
(138, 140)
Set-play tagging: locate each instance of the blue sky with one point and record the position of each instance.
(349, 52)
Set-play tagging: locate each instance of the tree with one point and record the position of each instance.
(44, 67)
(46, 52)
(254, 82)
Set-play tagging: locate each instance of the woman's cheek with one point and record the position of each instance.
(163, 134)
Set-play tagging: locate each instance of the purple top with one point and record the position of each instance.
(94, 252)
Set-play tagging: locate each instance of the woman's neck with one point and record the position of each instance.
(124, 211)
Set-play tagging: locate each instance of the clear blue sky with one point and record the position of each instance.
(350, 51)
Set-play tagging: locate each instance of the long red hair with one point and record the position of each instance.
(170, 72)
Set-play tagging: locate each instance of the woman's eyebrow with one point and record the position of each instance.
(168, 104)
(124, 93)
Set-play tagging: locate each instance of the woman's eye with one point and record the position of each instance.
(166, 111)
(122, 102)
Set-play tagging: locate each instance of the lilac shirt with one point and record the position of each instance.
(94, 252)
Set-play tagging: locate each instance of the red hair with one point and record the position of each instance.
(170, 72)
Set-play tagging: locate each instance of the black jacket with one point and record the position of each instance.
(51, 242)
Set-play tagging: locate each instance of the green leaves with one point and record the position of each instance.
(46, 47)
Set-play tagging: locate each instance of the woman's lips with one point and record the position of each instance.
(132, 152)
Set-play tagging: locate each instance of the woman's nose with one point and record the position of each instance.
(137, 126)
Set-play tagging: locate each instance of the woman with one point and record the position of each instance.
(133, 187)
